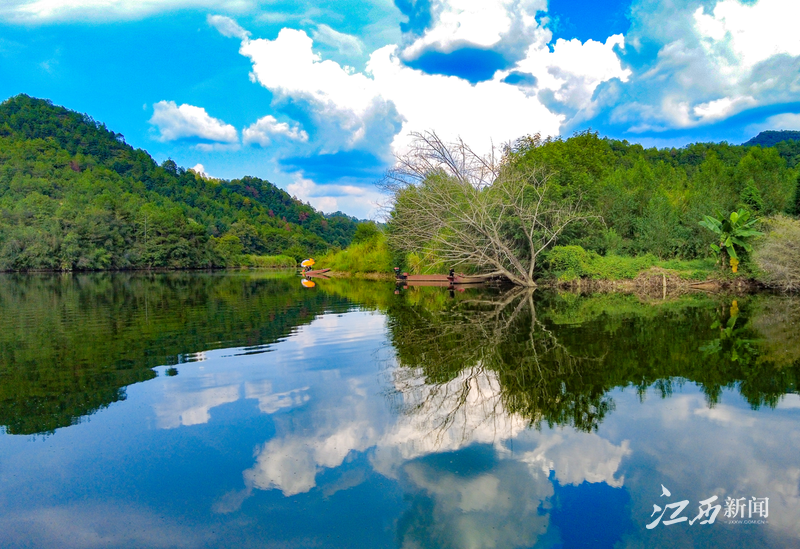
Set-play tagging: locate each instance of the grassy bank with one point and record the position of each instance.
(570, 263)
(370, 254)
(269, 261)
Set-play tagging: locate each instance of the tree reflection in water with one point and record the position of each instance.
(488, 362)
(500, 359)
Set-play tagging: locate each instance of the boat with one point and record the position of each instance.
(471, 279)
(318, 272)
(439, 280)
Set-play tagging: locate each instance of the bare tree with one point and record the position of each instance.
(461, 209)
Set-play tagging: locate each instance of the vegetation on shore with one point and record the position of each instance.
(369, 253)
(680, 209)
(777, 254)
(75, 196)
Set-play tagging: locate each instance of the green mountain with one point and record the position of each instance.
(651, 200)
(771, 138)
(75, 196)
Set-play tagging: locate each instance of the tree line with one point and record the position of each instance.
(508, 212)
(75, 196)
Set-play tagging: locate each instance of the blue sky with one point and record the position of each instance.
(318, 96)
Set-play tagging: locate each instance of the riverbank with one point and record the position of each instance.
(652, 281)
(657, 280)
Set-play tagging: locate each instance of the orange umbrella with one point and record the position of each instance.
(307, 283)
(307, 263)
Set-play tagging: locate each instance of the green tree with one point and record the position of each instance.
(734, 231)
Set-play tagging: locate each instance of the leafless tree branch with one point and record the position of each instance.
(466, 210)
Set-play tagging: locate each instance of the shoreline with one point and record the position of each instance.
(648, 282)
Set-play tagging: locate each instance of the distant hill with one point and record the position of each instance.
(771, 138)
(74, 195)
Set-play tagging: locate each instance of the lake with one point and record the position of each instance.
(245, 410)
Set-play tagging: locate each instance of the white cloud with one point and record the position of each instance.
(270, 402)
(778, 122)
(379, 106)
(753, 33)
(448, 416)
(479, 23)
(345, 105)
(722, 108)
(86, 524)
(208, 147)
(437, 418)
(789, 402)
(346, 44)
(190, 122)
(268, 126)
(200, 170)
(579, 457)
(571, 73)
(192, 407)
(227, 27)
(501, 507)
(726, 415)
(361, 202)
(711, 63)
(35, 11)
(357, 108)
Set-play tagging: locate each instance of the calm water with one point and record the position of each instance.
(243, 410)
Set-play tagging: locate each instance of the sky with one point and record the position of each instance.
(319, 96)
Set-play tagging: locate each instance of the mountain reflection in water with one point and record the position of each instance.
(205, 410)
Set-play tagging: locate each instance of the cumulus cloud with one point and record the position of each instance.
(710, 63)
(377, 108)
(679, 66)
(188, 122)
(373, 111)
(508, 25)
(348, 111)
(268, 127)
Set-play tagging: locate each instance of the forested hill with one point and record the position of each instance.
(651, 200)
(771, 138)
(74, 195)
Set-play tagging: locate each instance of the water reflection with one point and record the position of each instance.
(557, 358)
(69, 345)
(345, 415)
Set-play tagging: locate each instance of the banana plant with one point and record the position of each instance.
(735, 231)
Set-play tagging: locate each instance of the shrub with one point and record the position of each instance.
(369, 256)
(271, 261)
(573, 262)
(777, 254)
